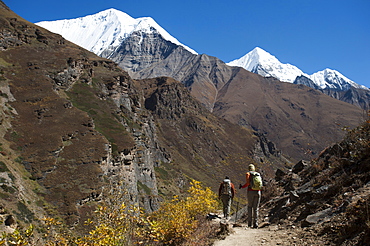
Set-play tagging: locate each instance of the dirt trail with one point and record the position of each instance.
(269, 235)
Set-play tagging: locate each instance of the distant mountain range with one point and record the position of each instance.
(263, 63)
(103, 33)
(289, 115)
(328, 81)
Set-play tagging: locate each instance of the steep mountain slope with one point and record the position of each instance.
(358, 97)
(141, 50)
(301, 120)
(73, 125)
(55, 141)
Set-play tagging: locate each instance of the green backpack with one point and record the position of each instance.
(255, 181)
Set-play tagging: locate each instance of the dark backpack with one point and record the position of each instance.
(255, 182)
(226, 188)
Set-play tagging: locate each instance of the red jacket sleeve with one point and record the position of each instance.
(233, 191)
(247, 176)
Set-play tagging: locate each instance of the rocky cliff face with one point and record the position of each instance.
(140, 50)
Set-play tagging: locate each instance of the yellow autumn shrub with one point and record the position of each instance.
(116, 223)
(177, 219)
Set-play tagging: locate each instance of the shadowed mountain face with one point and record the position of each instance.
(298, 119)
(301, 120)
(76, 124)
(200, 144)
(355, 96)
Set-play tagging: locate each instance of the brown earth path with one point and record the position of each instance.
(264, 236)
(267, 236)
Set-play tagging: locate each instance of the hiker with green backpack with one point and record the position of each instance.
(254, 184)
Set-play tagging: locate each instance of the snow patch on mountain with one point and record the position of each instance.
(105, 30)
(263, 63)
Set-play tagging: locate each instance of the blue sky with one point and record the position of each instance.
(310, 34)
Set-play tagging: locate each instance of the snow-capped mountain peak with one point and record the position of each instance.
(329, 78)
(105, 30)
(253, 58)
(263, 63)
(258, 54)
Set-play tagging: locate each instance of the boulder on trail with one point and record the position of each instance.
(319, 217)
(300, 166)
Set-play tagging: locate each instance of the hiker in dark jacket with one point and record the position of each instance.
(253, 197)
(226, 193)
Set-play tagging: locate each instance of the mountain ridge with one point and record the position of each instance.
(116, 24)
(261, 62)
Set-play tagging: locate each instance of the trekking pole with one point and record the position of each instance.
(237, 209)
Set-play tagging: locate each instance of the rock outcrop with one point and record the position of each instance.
(328, 195)
(141, 50)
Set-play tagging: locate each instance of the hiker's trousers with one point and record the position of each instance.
(226, 202)
(254, 198)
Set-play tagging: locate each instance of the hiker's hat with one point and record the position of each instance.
(251, 167)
